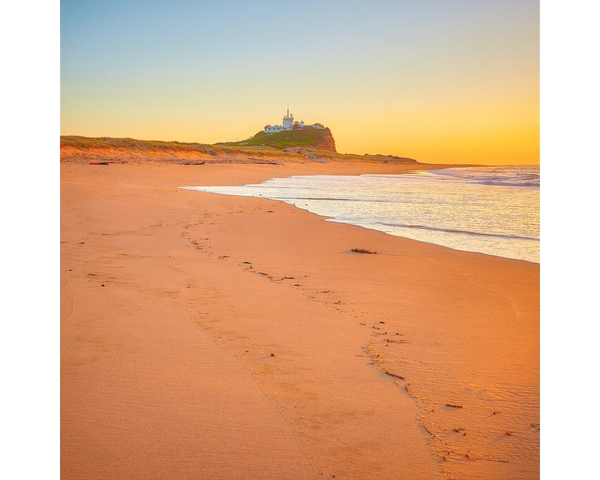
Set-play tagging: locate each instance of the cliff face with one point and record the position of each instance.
(327, 142)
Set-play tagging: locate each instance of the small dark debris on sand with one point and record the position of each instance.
(98, 163)
(453, 406)
(394, 375)
(362, 250)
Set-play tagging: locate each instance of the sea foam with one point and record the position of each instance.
(490, 210)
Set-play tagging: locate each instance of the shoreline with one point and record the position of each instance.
(331, 219)
(161, 269)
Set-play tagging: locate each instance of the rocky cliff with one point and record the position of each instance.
(327, 142)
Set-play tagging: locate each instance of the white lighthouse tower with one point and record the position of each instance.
(288, 120)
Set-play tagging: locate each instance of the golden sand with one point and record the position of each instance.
(207, 336)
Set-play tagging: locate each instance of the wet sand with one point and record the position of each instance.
(208, 336)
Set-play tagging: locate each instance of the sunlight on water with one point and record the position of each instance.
(491, 210)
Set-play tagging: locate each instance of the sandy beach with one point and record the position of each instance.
(214, 337)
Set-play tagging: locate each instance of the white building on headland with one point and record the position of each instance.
(288, 124)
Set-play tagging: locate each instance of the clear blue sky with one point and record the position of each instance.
(436, 80)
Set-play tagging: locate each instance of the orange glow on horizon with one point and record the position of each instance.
(441, 84)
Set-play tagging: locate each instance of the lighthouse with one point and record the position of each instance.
(288, 120)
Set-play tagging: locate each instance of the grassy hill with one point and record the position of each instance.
(305, 137)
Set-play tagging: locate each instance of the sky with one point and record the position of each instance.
(441, 81)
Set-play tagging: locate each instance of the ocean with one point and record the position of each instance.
(490, 210)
